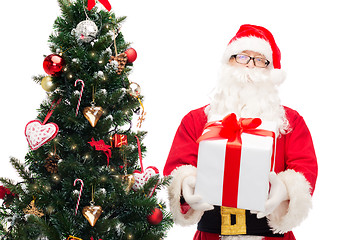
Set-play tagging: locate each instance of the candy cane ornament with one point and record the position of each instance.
(81, 92)
(81, 189)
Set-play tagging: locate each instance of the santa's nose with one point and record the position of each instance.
(250, 64)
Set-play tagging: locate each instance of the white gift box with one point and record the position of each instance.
(255, 165)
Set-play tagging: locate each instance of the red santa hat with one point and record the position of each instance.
(257, 39)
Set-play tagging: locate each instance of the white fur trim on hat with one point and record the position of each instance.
(248, 43)
(174, 191)
(291, 213)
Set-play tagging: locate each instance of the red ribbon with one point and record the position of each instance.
(230, 128)
(140, 155)
(48, 115)
(91, 4)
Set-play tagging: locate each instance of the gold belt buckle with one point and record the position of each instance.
(233, 229)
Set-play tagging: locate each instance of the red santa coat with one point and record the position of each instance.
(295, 162)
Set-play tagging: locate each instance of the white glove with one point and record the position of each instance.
(194, 201)
(278, 194)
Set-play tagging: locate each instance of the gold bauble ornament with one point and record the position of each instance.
(47, 84)
(92, 213)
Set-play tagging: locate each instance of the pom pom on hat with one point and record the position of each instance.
(257, 39)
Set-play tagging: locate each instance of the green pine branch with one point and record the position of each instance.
(44, 227)
(21, 169)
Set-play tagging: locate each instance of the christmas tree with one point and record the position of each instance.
(83, 176)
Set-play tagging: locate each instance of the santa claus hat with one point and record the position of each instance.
(257, 39)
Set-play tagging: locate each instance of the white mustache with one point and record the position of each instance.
(245, 75)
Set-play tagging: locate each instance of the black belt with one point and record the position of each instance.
(211, 222)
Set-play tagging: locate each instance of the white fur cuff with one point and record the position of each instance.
(291, 213)
(174, 190)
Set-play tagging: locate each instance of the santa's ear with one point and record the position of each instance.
(277, 76)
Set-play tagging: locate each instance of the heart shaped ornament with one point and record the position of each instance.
(37, 134)
(142, 177)
(92, 213)
(93, 114)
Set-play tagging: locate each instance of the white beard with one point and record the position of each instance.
(248, 92)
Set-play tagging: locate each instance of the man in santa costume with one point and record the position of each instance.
(247, 86)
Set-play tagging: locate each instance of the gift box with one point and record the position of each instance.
(118, 140)
(234, 161)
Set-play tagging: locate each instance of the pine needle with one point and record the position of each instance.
(21, 169)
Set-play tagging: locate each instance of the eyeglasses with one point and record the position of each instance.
(245, 59)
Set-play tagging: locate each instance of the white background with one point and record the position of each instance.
(179, 45)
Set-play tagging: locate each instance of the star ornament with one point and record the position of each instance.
(101, 146)
(31, 209)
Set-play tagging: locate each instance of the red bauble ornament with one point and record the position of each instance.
(131, 55)
(155, 217)
(53, 64)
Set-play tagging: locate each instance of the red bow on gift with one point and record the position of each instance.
(101, 146)
(231, 128)
(91, 4)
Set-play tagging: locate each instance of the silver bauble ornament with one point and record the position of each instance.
(86, 31)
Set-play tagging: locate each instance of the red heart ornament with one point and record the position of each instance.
(142, 177)
(37, 134)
